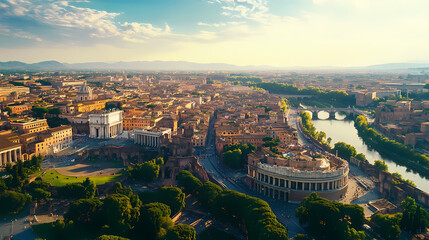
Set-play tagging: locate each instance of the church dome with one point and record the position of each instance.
(85, 90)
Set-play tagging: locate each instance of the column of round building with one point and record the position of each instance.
(115, 130)
(10, 156)
(265, 184)
(151, 141)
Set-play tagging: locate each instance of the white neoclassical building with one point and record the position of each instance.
(107, 124)
(151, 137)
(9, 152)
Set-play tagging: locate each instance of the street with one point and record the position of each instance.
(285, 212)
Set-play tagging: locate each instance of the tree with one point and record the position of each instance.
(12, 202)
(8, 110)
(188, 182)
(232, 158)
(254, 213)
(86, 189)
(361, 157)
(353, 234)
(66, 230)
(3, 186)
(39, 194)
(151, 106)
(345, 150)
(321, 136)
(267, 139)
(398, 179)
(89, 188)
(381, 165)
(207, 194)
(54, 111)
(388, 225)
(147, 171)
(56, 121)
(414, 218)
(330, 220)
(39, 112)
(181, 232)
(119, 214)
(159, 161)
(117, 188)
(170, 196)
(110, 106)
(84, 211)
(154, 221)
(329, 140)
(238, 160)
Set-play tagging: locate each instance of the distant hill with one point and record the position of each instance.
(185, 66)
(47, 65)
(138, 65)
(392, 66)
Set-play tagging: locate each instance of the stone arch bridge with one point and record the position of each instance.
(349, 111)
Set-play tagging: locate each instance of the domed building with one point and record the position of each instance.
(84, 94)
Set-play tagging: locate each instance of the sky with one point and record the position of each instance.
(281, 33)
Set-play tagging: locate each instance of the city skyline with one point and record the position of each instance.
(241, 32)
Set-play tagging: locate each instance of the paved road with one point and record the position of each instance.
(292, 119)
(285, 212)
(17, 226)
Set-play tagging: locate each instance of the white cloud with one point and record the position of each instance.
(333, 32)
(255, 10)
(102, 23)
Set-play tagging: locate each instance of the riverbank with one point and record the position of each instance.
(398, 152)
(344, 131)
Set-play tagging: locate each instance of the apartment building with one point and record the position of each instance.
(30, 125)
(51, 141)
(131, 123)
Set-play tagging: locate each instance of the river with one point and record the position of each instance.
(344, 131)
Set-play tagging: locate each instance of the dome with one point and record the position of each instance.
(85, 90)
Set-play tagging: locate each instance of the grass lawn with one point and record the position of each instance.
(56, 179)
(110, 162)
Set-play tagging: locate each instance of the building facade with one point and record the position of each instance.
(296, 179)
(105, 125)
(30, 125)
(151, 137)
(131, 123)
(52, 141)
(199, 140)
(10, 152)
(84, 94)
(19, 108)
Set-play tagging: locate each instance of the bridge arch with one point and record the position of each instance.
(349, 112)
